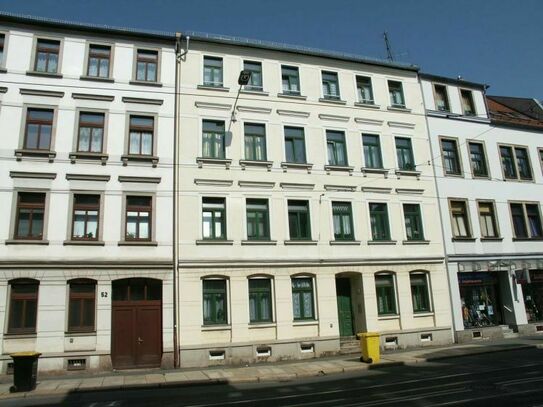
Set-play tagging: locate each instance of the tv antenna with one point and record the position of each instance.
(390, 57)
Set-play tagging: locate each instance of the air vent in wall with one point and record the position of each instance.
(77, 364)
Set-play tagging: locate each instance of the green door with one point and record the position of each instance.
(344, 307)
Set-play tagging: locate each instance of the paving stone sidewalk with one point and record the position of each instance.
(280, 371)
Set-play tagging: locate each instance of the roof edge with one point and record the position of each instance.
(453, 81)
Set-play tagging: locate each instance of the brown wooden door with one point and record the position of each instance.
(136, 324)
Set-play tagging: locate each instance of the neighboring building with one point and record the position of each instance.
(489, 178)
(311, 216)
(87, 123)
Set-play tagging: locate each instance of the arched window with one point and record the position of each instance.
(420, 291)
(385, 288)
(23, 306)
(82, 305)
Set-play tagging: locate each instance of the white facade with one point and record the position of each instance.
(482, 256)
(232, 180)
(55, 257)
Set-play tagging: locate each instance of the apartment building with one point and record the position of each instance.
(307, 205)
(87, 119)
(487, 157)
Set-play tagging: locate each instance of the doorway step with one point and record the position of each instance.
(508, 332)
(349, 345)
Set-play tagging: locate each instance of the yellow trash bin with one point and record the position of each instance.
(369, 347)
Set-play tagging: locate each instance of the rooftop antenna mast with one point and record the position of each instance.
(390, 57)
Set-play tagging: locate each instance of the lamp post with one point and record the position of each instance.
(243, 79)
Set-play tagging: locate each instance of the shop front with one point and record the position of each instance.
(532, 290)
(480, 299)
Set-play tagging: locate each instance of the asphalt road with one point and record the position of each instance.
(513, 378)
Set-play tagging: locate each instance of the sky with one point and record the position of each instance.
(497, 42)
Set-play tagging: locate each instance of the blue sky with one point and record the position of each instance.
(498, 42)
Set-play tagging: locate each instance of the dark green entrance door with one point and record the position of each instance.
(344, 307)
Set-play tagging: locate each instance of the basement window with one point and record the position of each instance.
(307, 348)
(216, 354)
(263, 351)
(77, 364)
(426, 338)
(391, 342)
(476, 335)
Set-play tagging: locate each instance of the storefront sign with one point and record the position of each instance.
(476, 278)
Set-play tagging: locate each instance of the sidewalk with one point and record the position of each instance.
(281, 371)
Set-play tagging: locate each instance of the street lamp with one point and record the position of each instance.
(243, 79)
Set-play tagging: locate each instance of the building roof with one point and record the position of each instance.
(453, 81)
(514, 111)
(205, 37)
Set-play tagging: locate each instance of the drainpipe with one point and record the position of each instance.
(453, 331)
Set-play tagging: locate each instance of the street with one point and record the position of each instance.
(512, 378)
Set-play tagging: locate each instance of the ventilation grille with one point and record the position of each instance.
(77, 364)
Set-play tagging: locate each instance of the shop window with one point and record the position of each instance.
(479, 295)
(533, 296)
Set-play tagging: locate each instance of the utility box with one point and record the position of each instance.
(369, 347)
(25, 371)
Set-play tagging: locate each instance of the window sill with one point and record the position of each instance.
(216, 242)
(143, 158)
(20, 153)
(214, 161)
(464, 239)
(137, 243)
(3, 70)
(345, 242)
(333, 101)
(525, 180)
(31, 335)
(414, 242)
(402, 109)
(423, 314)
(408, 173)
(367, 105)
(381, 242)
(209, 87)
(329, 168)
(254, 163)
(527, 239)
(259, 242)
(491, 239)
(96, 78)
(454, 175)
(300, 242)
(369, 170)
(312, 322)
(291, 96)
(28, 241)
(388, 317)
(257, 325)
(217, 327)
(44, 74)
(84, 243)
(88, 156)
(146, 83)
(79, 333)
(254, 92)
(296, 166)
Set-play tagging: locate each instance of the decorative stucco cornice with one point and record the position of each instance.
(88, 96)
(88, 177)
(34, 175)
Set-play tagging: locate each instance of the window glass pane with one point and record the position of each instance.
(45, 137)
(147, 143)
(32, 131)
(134, 143)
(84, 138)
(23, 226)
(478, 160)
(523, 163)
(37, 223)
(96, 145)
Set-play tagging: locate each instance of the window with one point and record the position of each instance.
(2, 43)
(295, 145)
(419, 292)
(478, 159)
(343, 221)
(290, 78)
(526, 220)
(260, 300)
(372, 151)
(47, 56)
(298, 220)
(516, 162)
(541, 157)
(379, 221)
(451, 157)
(213, 139)
(30, 215)
(330, 85)
(255, 82)
(99, 57)
(302, 298)
(255, 142)
(258, 224)
(214, 298)
(91, 132)
(386, 294)
(214, 218)
(337, 152)
(487, 219)
(404, 153)
(395, 91)
(468, 107)
(85, 217)
(441, 98)
(138, 218)
(213, 72)
(141, 135)
(460, 219)
(38, 129)
(146, 65)
(23, 306)
(81, 308)
(364, 90)
(413, 222)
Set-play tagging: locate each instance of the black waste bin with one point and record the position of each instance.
(25, 371)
